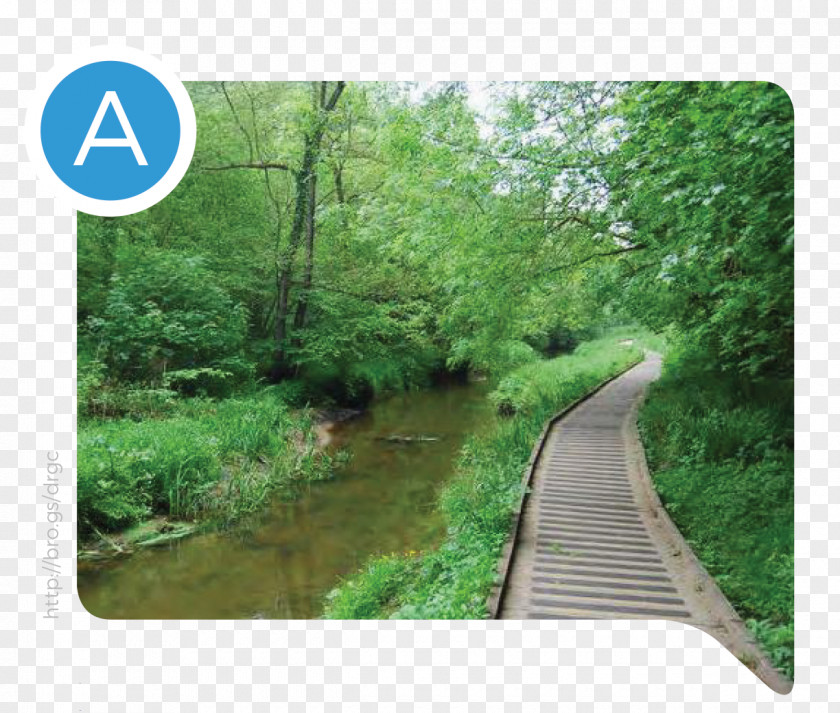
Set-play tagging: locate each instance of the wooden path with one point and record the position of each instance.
(593, 540)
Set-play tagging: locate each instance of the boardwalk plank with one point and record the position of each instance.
(593, 541)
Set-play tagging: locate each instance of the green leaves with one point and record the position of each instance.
(711, 167)
(556, 381)
(167, 314)
(720, 446)
(202, 458)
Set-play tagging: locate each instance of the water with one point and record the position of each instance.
(281, 564)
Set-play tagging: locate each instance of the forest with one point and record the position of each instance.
(336, 243)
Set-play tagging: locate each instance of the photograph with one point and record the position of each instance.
(447, 350)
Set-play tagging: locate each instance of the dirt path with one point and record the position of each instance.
(594, 541)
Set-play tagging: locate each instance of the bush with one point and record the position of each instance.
(167, 315)
(290, 391)
(116, 401)
(109, 496)
(532, 385)
(205, 381)
(90, 377)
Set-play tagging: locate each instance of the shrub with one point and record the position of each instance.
(117, 401)
(198, 382)
(109, 496)
(168, 314)
(552, 381)
(290, 391)
(90, 377)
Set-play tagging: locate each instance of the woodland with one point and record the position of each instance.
(335, 242)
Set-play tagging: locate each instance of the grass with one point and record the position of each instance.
(454, 580)
(543, 387)
(198, 458)
(721, 455)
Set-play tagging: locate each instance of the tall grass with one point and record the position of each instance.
(204, 458)
(542, 385)
(721, 455)
(454, 580)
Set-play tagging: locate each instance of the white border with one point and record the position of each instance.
(354, 666)
(124, 206)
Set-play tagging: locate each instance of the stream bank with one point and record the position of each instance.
(282, 562)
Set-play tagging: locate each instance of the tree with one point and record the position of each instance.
(167, 314)
(704, 175)
(305, 195)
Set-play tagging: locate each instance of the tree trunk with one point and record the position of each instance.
(339, 186)
(303, 300)
(284, 274)
(305, 183)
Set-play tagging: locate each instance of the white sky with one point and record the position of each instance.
(480, 99)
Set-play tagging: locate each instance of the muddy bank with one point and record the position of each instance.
(155, 532)
(325, 420)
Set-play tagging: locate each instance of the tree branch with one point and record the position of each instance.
(262, 166)
(609, 253)
(333, 100)
(239, 121)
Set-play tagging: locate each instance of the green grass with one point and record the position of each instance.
(454, 580)
(721, 455)
(642, 338)
(542, 385)
(201, 458)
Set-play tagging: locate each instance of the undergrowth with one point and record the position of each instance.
(721, 456)
(191, 458)
(454, 580)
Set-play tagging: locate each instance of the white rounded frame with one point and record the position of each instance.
(124, 206)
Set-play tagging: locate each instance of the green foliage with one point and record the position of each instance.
(721, 452)
(777, 639)
(377, 587)
(167, 314)
(367, 348)
(120, 401)
(435, 238)
(436, 242)
(528, 387)
(90, 375)
(204, 381)
(208, 458)
(704, 175)
(640, 337)
(108, 497)
(454, 580)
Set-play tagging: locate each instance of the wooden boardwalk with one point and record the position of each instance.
(593, 541)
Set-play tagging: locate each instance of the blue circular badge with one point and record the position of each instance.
(113, 131)
(110, 130)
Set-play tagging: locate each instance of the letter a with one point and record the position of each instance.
(130, 140)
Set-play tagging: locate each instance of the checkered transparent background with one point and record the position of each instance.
(81, 663)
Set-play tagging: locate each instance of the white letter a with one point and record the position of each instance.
(129, 140)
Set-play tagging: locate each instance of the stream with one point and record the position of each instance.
(282, 563)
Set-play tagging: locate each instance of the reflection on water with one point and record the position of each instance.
(281, 564)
